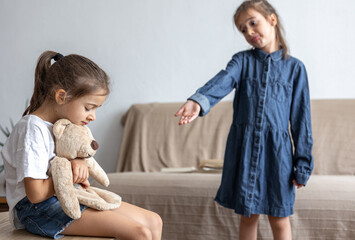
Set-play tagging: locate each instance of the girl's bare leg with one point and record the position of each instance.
(145, 217)
(126, 222)
(248, 227)
(281, 228)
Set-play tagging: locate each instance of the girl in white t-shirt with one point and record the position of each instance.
(73, 87)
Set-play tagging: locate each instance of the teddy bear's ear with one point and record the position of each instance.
(59, 127)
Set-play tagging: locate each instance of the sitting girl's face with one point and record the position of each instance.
(257, 30)
(81, 111)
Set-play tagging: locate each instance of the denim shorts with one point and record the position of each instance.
(46, 218)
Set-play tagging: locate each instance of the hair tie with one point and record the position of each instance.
(58, 56)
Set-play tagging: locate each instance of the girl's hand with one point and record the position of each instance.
(85, 184)
(296, 184)
(189, 111)
(80, 170)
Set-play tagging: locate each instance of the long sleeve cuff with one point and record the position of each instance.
(203, 101)
(301, 178)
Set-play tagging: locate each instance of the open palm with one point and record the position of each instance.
(189, 111)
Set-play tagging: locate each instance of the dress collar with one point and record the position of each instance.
(275, 56)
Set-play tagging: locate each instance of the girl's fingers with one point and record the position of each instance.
(75, 175)
(189, 111)
(77, 178)
(187, 118)
(182, 121)
(87, 174)
(80, 175)
(80, 171)
(183, 118)
(85, 184)
(179, 111)
(84, 175)
(192, 118)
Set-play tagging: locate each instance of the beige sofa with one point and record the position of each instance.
(152, 139)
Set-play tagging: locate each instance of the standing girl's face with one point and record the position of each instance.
(257, 30)
(82, 110)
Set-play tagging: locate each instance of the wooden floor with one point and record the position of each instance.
(7, 233)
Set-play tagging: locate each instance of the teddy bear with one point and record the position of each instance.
(71, 142)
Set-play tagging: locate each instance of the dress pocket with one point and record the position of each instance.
(248, 87)
(281, 91)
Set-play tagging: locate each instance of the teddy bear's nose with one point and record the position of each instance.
(94, 145)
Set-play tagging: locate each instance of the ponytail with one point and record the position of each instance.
(40, 91)
(75, 74)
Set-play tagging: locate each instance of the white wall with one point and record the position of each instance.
(162, 51)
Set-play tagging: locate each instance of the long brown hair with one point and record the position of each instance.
(76, 74)
(265, 9)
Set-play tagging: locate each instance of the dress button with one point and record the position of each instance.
(261, 102)
(252, 177)
(264, 85)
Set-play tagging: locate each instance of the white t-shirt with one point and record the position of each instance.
(26, 153)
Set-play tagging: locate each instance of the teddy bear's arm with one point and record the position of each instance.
(97, 172)
(97, 198)
(62, 176)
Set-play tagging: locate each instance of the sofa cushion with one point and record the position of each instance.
(8, 233)
(325, 209)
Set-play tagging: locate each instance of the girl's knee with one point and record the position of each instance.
(142, 233)
(252, 219)
(156, 221)
(278, 219)
(279, 222)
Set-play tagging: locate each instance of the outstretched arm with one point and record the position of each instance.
(213, 91)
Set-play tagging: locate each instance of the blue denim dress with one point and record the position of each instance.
(260, 164)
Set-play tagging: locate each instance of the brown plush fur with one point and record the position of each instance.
(73, 141)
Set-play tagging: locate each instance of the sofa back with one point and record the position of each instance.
(333, 126)
(152, 138)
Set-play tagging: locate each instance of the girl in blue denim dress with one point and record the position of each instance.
(260, 169)
(73, 87)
